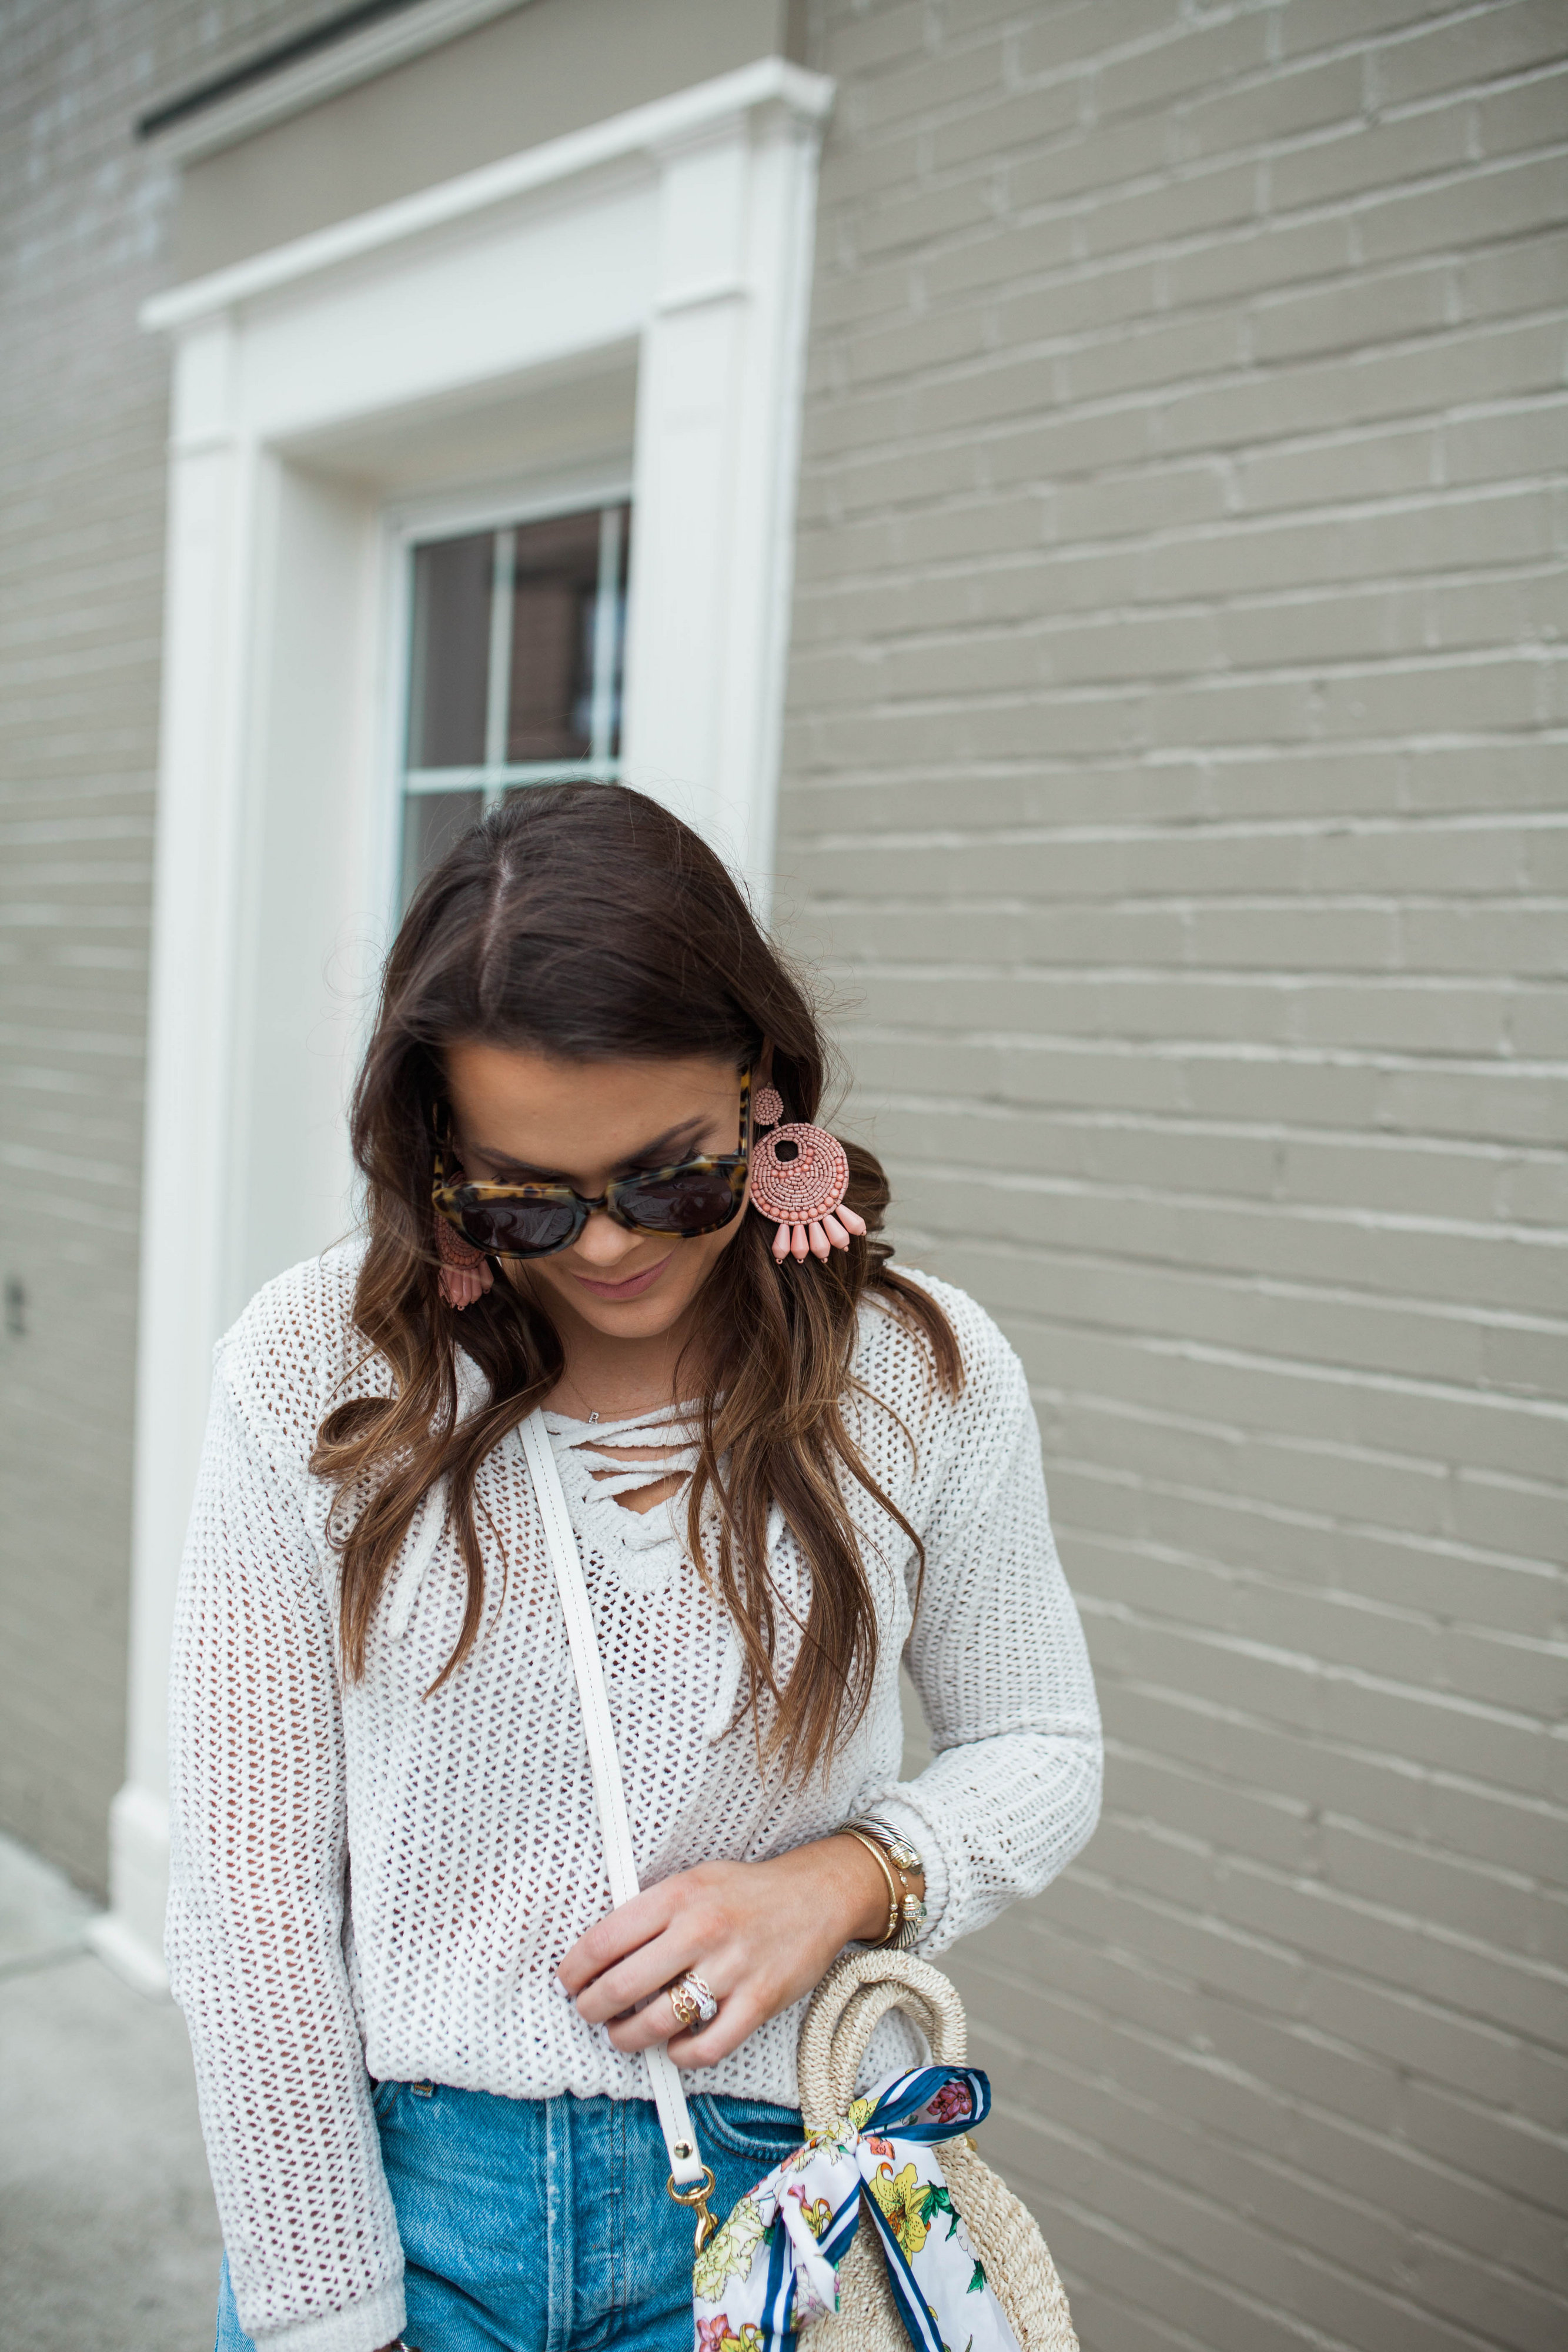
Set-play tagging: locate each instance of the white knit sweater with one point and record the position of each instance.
(465, 1820)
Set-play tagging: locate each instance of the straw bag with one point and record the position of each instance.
(854, 1997)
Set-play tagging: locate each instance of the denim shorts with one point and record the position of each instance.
(541, 2225)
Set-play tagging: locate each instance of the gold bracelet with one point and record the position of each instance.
(894, 1900)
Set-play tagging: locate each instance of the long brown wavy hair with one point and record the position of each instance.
(585, 920)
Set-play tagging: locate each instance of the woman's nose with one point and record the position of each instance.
(603, 1242)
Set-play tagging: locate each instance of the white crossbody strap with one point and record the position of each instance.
(686, 2166)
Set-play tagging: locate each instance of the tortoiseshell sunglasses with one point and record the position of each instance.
(696, 1196)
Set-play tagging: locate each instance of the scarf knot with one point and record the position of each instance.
(772, 2267)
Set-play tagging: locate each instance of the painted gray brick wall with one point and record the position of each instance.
(1175, 787)
(85, 222)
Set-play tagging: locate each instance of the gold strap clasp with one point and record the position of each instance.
(698, 2197)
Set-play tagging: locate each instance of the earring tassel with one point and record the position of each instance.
(466, 1273)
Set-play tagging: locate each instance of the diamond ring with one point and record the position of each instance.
(692, 1998)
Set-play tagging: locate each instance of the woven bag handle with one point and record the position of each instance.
(849, 2004)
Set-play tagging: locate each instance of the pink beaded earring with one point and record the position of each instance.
(465, 1274)
(799, 1178)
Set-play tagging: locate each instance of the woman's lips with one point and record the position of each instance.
(633, 1287)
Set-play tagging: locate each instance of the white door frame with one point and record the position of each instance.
(681, 232)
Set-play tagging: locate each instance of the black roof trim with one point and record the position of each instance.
(270, 61)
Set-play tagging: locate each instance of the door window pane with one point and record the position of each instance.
(555, 587)
(432, 822)
(515, 669)
(450, 670)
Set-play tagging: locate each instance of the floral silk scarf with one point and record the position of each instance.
(772, 2267)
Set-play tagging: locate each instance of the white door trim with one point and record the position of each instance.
(663, 123)
(679, 233)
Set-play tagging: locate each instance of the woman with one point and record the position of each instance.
(417, 2024)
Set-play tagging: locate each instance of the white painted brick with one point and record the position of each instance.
(1190, 58)
(1424, 150)
(908, 222)
(1184, 882)
(1222, 197)
(875, 40)
(992, 264)
(1086, 164)
(1283, 103)
(1308, 25)
(1162, 352)
(1067, 303)
(985, 132)
(1472, 47)
(82, 429)
(936, 84)
(1510, 199)
(1383, 309)
(1529, 276)
(1530, 114)
(1476, 366)
(1053, 40)
(930, 340)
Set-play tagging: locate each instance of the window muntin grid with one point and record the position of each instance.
(517, 636)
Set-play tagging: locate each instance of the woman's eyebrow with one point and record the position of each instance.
(663, 1145)
(524, 1168)
(646, 1152)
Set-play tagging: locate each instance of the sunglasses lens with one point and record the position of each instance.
(694, 1202)
(521, 1228)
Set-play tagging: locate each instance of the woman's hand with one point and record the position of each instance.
(759, 1934)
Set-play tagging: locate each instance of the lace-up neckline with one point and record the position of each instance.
(647, 1545)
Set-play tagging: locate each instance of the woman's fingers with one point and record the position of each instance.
(759, 1934)
(659, 2022)
(637, 1978)
(738, 2017)
(609, 1939)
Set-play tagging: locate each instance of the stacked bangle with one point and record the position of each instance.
(892, 1853)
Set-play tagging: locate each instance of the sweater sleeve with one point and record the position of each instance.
(256, 1914)
(997, 1656)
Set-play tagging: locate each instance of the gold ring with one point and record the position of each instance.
(684, 2001)
(692, 1998)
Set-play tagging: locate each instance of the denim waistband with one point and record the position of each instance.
(542, 2225)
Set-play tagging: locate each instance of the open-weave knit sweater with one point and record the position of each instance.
(374, 1879)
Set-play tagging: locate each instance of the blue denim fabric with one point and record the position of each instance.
(541, 2225)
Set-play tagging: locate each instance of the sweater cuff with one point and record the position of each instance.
(899, 1814)
(364, 2326)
